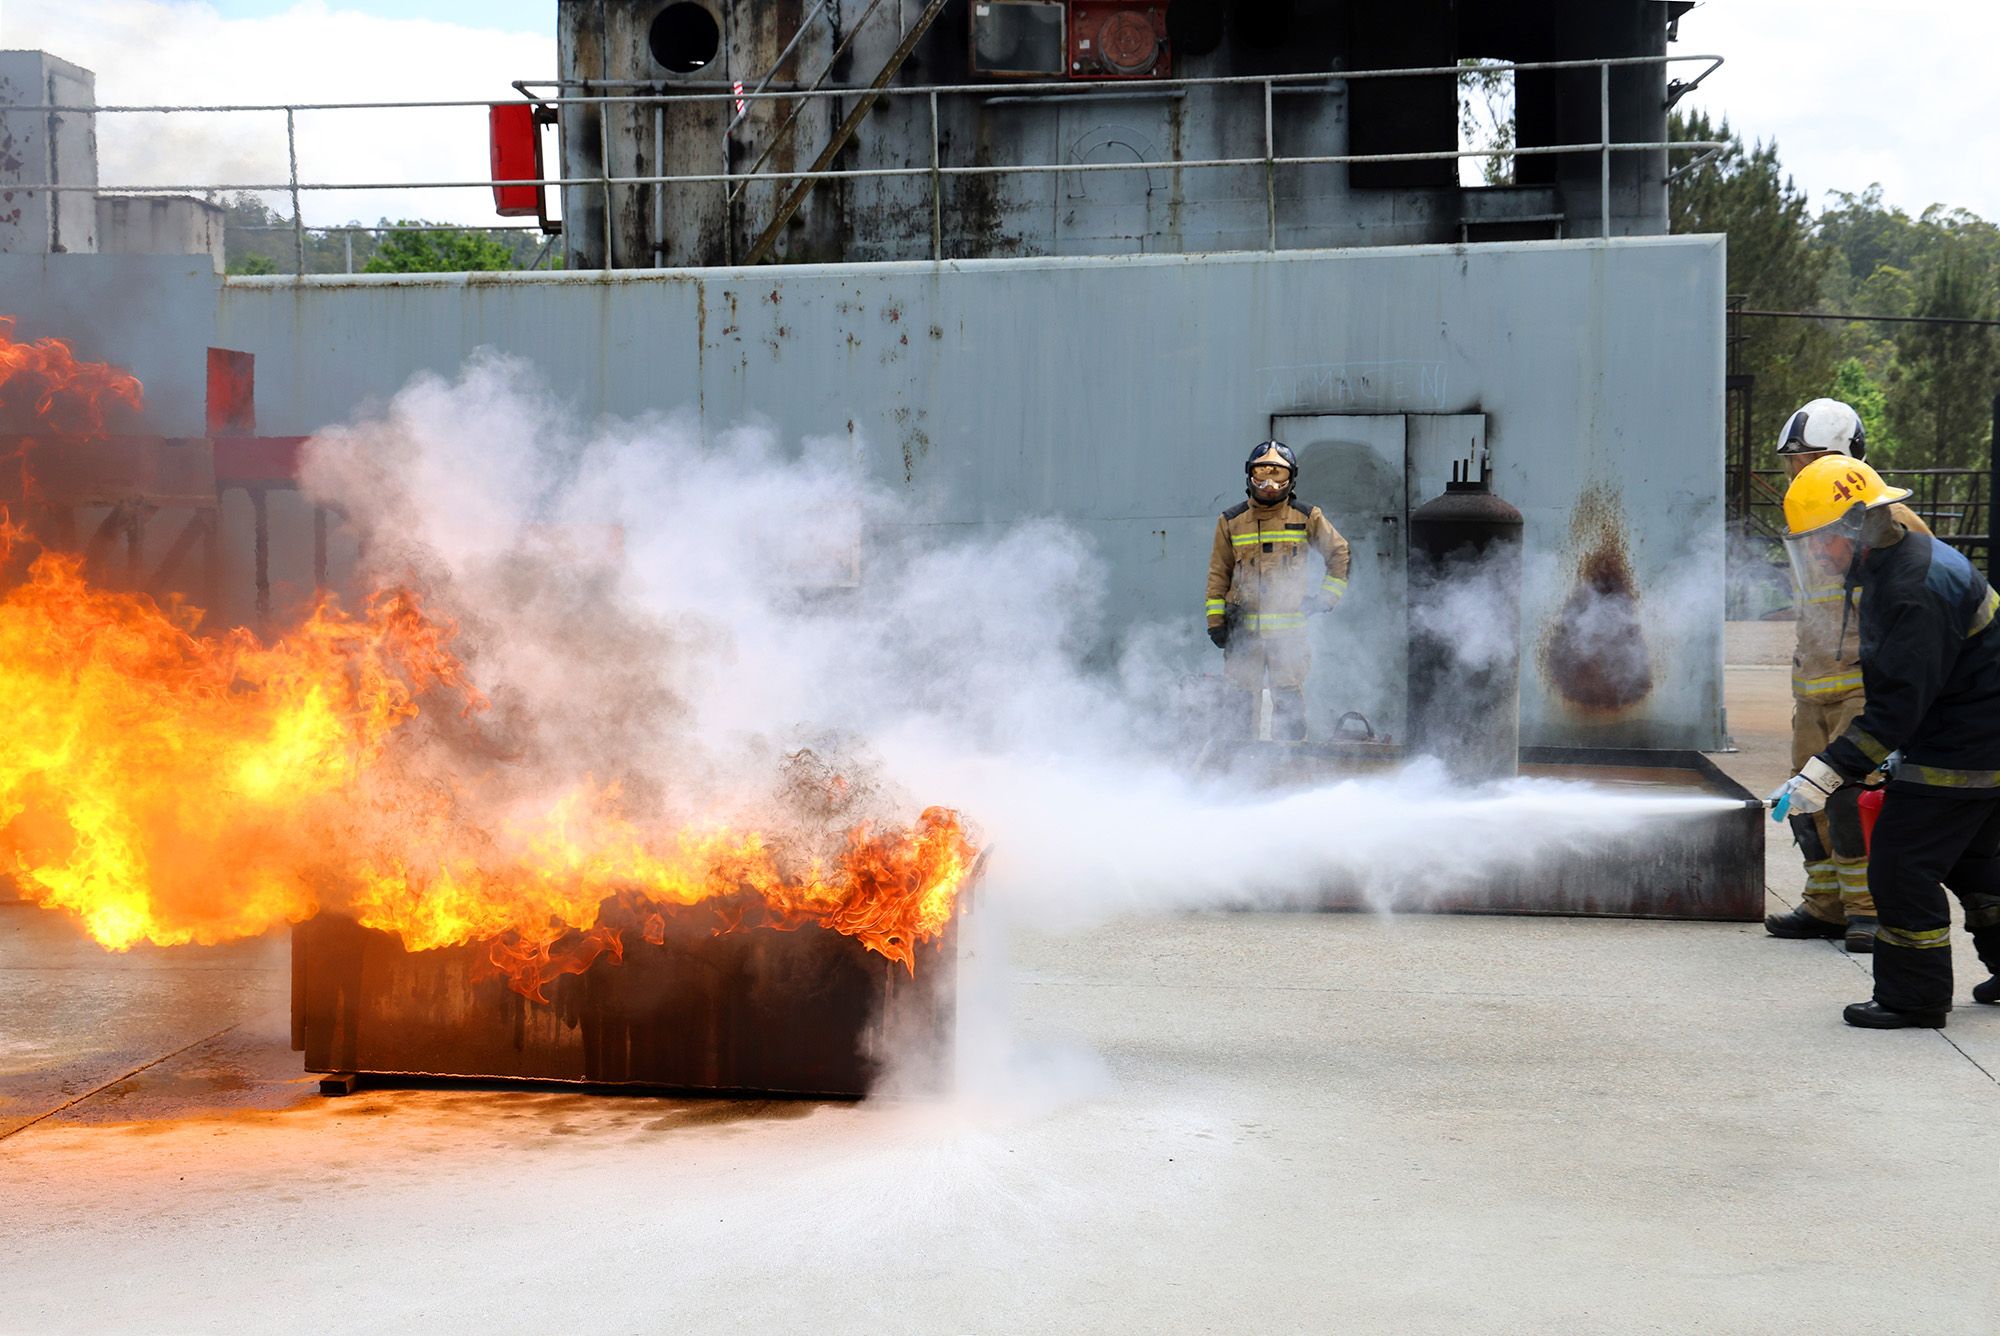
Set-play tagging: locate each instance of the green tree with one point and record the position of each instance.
(1776, 262)
(415, 252)
(252, 262)
(1486, 117)
(1852, 384)
(1943, 382)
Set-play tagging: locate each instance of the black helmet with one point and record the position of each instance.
(1271, 452)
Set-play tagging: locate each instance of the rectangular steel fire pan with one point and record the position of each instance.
(1705, 866)
(801, 1012)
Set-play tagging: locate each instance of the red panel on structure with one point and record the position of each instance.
(242, 461)
(1119, 39)
(517, 156)
(232, 393)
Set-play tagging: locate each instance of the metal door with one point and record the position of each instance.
(1353, 467)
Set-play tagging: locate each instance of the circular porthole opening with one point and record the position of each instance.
(684, 37)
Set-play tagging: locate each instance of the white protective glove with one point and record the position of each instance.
(1811, 787)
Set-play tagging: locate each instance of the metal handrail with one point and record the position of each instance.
(908, 90)
(1328, 80)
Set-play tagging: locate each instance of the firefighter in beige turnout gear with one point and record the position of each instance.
(1826, 698)
(1261, 589)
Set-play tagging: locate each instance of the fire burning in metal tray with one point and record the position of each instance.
(171, 784)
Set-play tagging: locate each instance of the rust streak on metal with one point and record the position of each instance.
(1595, 653)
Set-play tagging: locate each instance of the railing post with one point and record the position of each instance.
(1270, 174)
(1993, 497)
(298, 220)
(604, 172)
(1604, 148)
(937, 185)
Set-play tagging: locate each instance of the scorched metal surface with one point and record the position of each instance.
(806, 1011)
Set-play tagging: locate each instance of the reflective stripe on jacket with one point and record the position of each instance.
(1930, 662)
(1258, 569)
(1826, 661)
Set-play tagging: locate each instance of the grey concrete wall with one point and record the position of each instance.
(1120, 393)
(46, 148)
(160, 225)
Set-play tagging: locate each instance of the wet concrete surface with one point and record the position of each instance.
(80, 1021)
(1224, 1123)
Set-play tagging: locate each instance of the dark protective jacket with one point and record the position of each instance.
(1930, 668)
(1826, 663)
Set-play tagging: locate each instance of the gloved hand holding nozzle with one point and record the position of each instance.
(1806, 792)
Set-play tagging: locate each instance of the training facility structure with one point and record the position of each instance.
(1035, 257)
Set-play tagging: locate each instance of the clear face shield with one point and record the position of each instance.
(1270, 481)
(1822, 557)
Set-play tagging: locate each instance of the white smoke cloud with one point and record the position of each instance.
(679, 613)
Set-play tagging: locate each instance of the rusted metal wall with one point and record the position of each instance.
(1117, 393)
(1102, 212)
(802, 1012)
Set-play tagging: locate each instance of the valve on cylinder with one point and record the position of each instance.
(1465, 628)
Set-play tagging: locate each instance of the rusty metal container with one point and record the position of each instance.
(807, 1011)
(1464, 569)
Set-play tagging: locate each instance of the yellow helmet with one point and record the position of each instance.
(1828, 490)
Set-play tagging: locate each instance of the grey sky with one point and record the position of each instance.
(1905, 94)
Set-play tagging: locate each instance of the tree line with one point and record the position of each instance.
(258, 240)
(1924, 391)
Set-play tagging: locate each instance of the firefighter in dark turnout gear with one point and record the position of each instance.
(1930, 664)
(1826, 698)
(1261, 590)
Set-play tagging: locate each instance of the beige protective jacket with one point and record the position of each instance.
(1258, 572)
(1826, 663)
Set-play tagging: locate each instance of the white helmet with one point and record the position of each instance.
(1824, 426)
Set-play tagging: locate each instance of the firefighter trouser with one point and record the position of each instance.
(1924, 845)
(1836, 853)
(1279, 659)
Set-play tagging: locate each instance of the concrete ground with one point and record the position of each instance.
(1228, 1123)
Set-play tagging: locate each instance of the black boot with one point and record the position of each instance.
(1801, 926)
(1988, 992)
(1872, 1015)
(1860, 936)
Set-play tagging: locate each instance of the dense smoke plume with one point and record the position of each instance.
(678, 616)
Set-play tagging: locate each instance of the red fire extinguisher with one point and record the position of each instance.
(1871, 811)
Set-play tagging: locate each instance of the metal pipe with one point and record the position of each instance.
(937, 187)
(1146, 95)
(298, 220)
(604, 179)
(778, 64)
(698, 178)
(262, 553)
(791, 117)
(1270, 174)
(1604, 156)
(1013, 90)
(659, 195)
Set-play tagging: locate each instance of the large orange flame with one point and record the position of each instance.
(44, 379)
(170, 787)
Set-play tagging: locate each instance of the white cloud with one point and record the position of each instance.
(148, 52)
(1858, 92)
